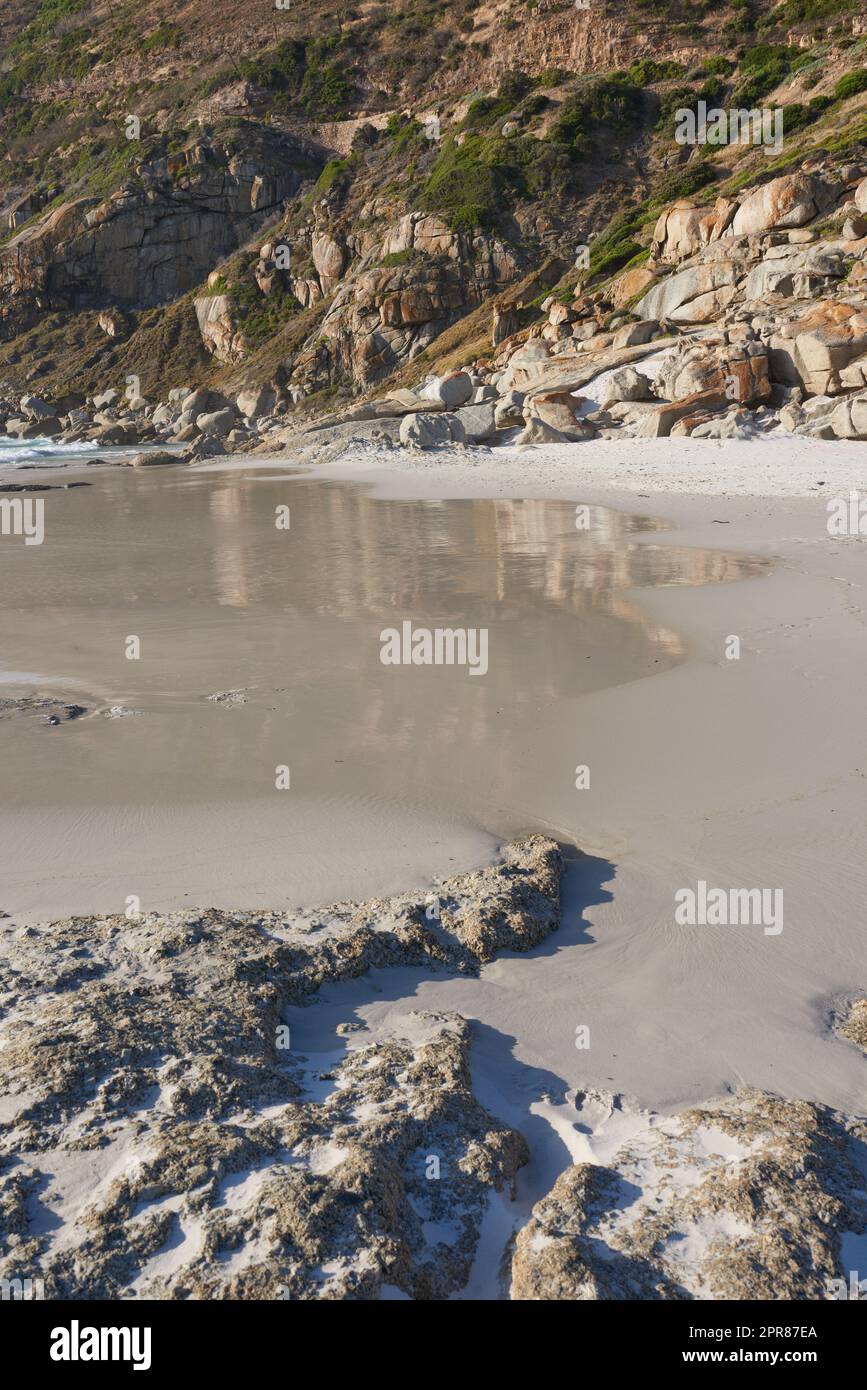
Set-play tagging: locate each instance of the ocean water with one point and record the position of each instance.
(14, 453)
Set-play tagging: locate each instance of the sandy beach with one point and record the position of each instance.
(735, 772)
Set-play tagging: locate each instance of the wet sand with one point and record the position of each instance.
(260, 649)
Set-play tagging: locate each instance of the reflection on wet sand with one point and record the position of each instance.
(224, 600)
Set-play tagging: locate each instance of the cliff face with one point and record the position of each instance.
(151, 240)
(315, 196)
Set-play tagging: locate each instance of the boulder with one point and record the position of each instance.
(329, 258)
(452, 390)
(154, 458)
(217, 423)
(196, 402)
(504, 322)
(45, 427)
(256, 401)
(814, 351)
(557, 409)
(430, 431)
(37, 409)
(477, 421)
(657, 424)
(734, 423)
(111, 322)
(855, 226)
(739, 369)
(794, 274)
(509, 410)
(683, 229)
(624, 384)
(538, 431)
(484, 393)
(695, 295)
(560, 314)
(789, 201)
(207, 447)
(220, 329)
(849, 418)
(632, 333)
(631, 283)
(114, 433)
(860, 198)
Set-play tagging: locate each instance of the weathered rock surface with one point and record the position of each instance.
(149, 243)
(150, 1058)
(854, 1025)
(789, 201)
(747, 1197)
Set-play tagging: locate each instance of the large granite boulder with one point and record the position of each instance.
(789, 201)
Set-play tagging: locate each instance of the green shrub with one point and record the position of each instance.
(166, 35)
(799, 114)
(613, 102)
(262, 314)
(851, 84)
(763, 68)
(466, 190)
(647, 70)
(335, 171)
(718, 67)
(487, 111)
(404, 131)
(801, 11)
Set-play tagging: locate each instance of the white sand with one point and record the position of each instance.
(780, 466)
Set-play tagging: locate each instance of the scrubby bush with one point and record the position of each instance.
(647, 70)
(613, 102)
(799, 114)
(851, 84)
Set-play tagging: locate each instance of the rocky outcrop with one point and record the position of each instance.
(221, 332)
(745, 1198)
(208, 1133)
(696, 295)
(383, 316)
(854, 1025)
(819, 349)
(683, 229)
(155, 238)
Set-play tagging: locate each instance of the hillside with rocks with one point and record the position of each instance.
(216, 236)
